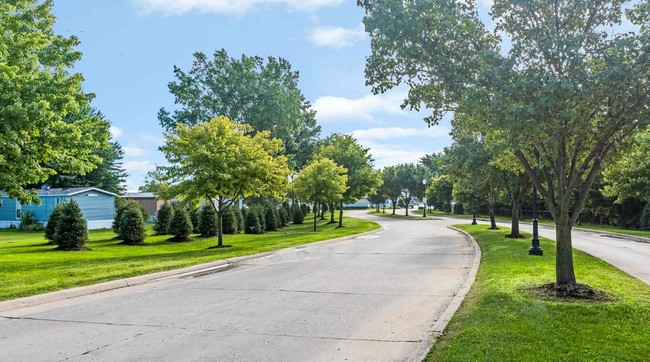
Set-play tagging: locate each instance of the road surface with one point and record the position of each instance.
(372, 298)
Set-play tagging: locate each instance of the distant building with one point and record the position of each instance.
(363, 203)
(146, 199)
(97, 206)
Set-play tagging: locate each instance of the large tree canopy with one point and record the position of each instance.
(220, 160)
(362, 178)
(263, 94)
(569, 91)
(37, 94)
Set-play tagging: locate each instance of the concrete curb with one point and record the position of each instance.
(445, 317)
(194, 270)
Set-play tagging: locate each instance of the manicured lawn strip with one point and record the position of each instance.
(398, 216)
(500, 320)
(28, 266)
(606, 228)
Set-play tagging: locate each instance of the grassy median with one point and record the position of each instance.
(501, 319)
(28, 266)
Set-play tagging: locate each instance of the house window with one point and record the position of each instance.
(19, 210)
(58, 200)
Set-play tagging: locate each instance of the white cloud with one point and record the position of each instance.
(158, 140)
(391, 154)
(138, 166)
(332, 109)
(134, 151)
(116, 132)
(177, 7)
(336, 37)
(399, 132)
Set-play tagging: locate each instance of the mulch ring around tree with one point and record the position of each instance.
(571, 292)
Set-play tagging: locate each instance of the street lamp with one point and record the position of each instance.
(474, 212)
(535, 249)
(424, 199)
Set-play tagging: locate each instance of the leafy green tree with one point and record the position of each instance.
(71, 232)
(410, 178)
(629, 173)
(262, 94)
(322, 180)
(362, 179)
(180, 225)
(570, 90)
(163, 218)
(391, 185)
(440, 191)
(433, 163)
(208, 222)
(131, 230)
(220, 160)
(38, 94)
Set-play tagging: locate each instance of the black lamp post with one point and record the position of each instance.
(474, 213)
(424, 199)
(535, 249)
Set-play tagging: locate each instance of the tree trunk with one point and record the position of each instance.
(341, 214)
(514, 228)
(407, 207)
(493, 222)
(394, 205)
(322, 211)
(315, 214)
(332, 221)
(220, 226)
(564, 273)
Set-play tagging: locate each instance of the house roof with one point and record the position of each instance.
(67, 192)
(139, 195)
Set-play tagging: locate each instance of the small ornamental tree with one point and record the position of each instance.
(164, 216)
(270, 220)
(208, 222)
(71, 232)
(52, 223)
(297, 217)
(240, 219)
(180, 225)
(229, 222)
(322, 180)
(261, 216)
(284, 217)
(131, 229)
(252, 223)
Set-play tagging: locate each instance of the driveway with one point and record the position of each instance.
(374, 297)
(630, 256)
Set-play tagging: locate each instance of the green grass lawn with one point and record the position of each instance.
(605, 228)
(28, 266)
(500, 320)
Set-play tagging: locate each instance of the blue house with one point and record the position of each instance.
(97, 206)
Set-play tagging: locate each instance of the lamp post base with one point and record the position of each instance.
(536, 251)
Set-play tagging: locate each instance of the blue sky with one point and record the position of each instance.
(130, 47)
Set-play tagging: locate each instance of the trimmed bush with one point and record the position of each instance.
(261, 216)
(459, 209)
(271, 222)
(297, 217)
(52, 223)
(229, 221)
(208, 222)
(165, 214)
(240, 219)
(71, 231)
(29, 222)
(252, 223)
(131, 229)
(180, 225)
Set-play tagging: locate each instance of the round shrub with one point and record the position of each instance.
(252, 223)
(180, 225)
(297, 217)
(29, 222)
(208, 222)
(229, 221)
(270, 220)
(71, 231)
(131, 229)
(52, 223)
(165, 215)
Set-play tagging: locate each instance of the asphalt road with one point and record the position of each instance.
(372, 298)
(630, 256)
